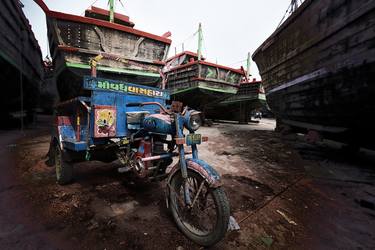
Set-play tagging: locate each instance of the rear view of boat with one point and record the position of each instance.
(318, 69)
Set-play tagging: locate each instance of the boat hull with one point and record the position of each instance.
(199, 96)
(249, 97)
(318, 69)
(20, 63)
(126, 53)
(69, 79)
(199, 84)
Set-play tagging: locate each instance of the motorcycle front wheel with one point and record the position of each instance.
(206, 220)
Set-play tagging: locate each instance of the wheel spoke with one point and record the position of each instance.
(206, 221)
(198, 193)
(199, 218)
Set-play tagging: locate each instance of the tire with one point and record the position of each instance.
(222, 212)
(64, 169)
(50, 162)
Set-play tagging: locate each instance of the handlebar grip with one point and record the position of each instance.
(134, 104)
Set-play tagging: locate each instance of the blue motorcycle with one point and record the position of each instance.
(130, 123)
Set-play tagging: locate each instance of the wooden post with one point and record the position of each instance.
(93, 63)
(111, 11)
(248, 65)
(93, 71)
(200, 40)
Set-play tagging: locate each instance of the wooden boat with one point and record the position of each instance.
(198, 83)
(125, 53)
(318, 69)
(20, 62)
(249, 97)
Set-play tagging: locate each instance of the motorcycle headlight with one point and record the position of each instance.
(195, 121)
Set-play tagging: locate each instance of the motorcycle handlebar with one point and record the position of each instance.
(139, 104)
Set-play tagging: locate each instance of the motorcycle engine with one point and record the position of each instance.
(132, 158)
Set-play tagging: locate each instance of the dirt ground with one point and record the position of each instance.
(283, 192)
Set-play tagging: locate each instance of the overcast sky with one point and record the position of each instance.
(231, 29)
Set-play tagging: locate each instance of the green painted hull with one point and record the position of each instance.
(69, 78)
(200, 83)
(238, 107)
(200, 97)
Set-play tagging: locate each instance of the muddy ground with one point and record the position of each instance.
(284, 193)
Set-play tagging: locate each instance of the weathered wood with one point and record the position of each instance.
(238, 107)
(319, 66)
(248, 91)
(20, 60)
(17, 42)
(198, 83)
(129, 54)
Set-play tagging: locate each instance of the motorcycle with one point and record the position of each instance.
(148, 142)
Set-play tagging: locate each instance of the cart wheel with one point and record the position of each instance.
(64, 170)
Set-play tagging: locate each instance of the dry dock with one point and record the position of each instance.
(283, 196)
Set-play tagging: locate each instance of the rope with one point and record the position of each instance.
(204, 47)
(121, 4)
(186, 39)
(294, 4)
(90, 6)
(273, 198)
(282, 19)
(244, 60)
(48, 47)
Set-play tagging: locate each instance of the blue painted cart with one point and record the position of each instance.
(85, 122)
(114, 120)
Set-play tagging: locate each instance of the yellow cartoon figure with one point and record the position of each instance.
(105, 122)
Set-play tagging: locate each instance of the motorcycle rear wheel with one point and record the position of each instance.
(207, 221)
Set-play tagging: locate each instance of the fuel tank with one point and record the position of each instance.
(159, 123)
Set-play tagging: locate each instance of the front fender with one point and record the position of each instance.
(202, 168)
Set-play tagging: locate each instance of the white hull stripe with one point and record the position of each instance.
(302, 79)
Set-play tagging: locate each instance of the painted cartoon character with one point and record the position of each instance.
(105, 121)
